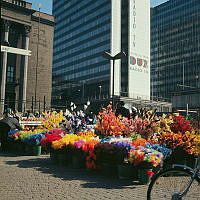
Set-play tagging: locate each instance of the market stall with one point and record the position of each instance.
(129, 148)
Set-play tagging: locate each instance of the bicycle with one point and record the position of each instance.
(177, 183)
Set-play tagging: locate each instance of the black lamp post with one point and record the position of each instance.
(118, 56)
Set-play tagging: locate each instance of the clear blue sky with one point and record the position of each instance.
(157, 2)
(47, 4)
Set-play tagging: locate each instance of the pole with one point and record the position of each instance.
(39, 106)
(199, 118)
(183, 75)
(44, 103)
(83, 91)
(113, 91)
(36, 69)
(113, 58)
(32, 105)
(100, 92)
(187, 109)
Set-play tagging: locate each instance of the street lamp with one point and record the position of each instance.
(118, 56)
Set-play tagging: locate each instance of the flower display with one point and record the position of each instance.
(180, 125)
(21, 135)
(134, 136)
(90, 145)
(145, 156)
(52, 119)
(150, 173)
(78, 144)
(160, 125)
(159, 147)
(144, 124)
(11, 133)
(71, 139)
(88, 148)
(108, 124)
(106, 140)
(49, 138)
(57, 131)
(122, 150)
(34, 139)
(91, 161)
(78, 122)
(139, 142)
(145, 140)
(64, 141)
(138, 125)
(89, 133)
(196, 145)
(182, 141)
(125, 146)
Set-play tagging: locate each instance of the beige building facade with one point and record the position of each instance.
(26, 57)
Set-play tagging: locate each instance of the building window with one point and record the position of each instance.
(10, 73)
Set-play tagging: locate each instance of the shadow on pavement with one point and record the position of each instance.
(91, 179)
(5, 154)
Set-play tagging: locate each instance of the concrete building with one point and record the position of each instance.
(175, 52)
(26, 56)
(86, 29)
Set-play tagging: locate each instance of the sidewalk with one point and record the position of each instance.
(37, 178)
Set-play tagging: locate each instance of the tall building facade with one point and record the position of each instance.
(175, 48)
(26, 56)
(83, 31)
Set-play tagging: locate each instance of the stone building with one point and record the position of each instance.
(26, 57)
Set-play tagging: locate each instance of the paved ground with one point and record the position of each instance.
(37, 178)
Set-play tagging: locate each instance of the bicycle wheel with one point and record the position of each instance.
(173, 181)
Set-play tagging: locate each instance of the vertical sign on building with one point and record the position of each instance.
(139, 49)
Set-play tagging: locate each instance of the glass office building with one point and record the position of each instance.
(84, 29)
(82, 33)
(175, 47)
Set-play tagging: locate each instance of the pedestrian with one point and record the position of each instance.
(8, 123)
(121, 110)
(133, 112)
(16, 114)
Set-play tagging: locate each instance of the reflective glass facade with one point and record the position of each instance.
(175, 47)
(82, 33)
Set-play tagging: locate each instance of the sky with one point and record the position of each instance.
(47, 4)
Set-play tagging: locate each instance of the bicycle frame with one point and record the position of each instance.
(195, 172)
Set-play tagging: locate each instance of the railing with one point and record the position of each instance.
(39, 105)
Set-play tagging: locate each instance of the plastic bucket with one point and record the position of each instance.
(143, 176)
(126, 171)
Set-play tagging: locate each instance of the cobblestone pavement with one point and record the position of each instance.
(37, 178)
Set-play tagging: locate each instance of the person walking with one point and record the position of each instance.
(121, 110)
(8, 123)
